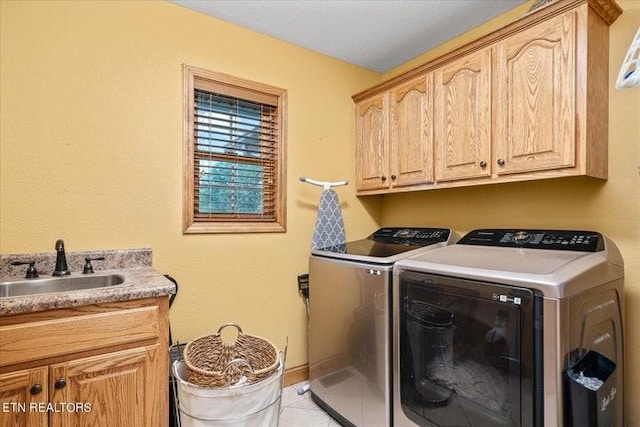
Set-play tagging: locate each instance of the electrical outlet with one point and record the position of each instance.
(303, 284)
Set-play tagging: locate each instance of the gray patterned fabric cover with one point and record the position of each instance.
(329, 225)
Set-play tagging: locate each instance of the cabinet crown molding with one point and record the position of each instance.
(608, 10)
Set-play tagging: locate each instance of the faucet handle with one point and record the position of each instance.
(32, 273)
(88, 268)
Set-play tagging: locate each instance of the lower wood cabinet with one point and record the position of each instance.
(21, 393)
(107, 390)
(122, 384)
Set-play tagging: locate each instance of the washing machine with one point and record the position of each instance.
(508, 328)
(350, 321)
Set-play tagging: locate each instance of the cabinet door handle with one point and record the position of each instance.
(60, 384)
(35, 389)
(483, 164)
(501, 162)
(393, 177)
(383, 178)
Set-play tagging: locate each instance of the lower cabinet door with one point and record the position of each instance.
(22, 397)
(116, 389)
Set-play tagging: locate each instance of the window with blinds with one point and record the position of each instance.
(234, 154)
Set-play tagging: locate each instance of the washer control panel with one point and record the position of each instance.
(564, 240)
(411, 236)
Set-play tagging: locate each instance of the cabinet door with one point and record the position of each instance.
(535, 90)
(463, 117)
(412, 132)
(20, 394)
(119, 389)
(372, 144)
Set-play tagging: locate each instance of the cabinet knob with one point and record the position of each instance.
(501, 162)
(36, 389)
(393, 177)
(60, 384)
(483, 164)
(383, 178)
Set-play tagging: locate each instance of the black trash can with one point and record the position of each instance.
(592, 389)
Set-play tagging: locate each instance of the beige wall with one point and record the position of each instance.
(612, 206)
(91, 151)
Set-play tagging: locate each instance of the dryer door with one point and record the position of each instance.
(466, 353)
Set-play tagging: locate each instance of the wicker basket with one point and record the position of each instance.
(211, 362)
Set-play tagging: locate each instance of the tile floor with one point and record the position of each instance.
(302, 411)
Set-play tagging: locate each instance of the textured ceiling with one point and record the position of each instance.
(375, 34)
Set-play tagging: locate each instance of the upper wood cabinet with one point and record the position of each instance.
(463, 117)
(372, 124)
(395, 137)
(517, 104)
(412, 132)
(535, 87)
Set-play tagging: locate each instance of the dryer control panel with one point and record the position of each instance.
(564, 240)
(418, 236)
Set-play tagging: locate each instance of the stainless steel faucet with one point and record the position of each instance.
(61, 260)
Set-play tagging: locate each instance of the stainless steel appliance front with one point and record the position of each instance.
(350, 321)
(348, 350)
(486, 331)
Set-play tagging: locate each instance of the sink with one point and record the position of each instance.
(47, 285)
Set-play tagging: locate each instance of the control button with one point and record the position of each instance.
(521, 236)
(405, 233)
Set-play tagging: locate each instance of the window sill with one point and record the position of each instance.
(234, 227)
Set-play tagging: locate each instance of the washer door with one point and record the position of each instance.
(466, 353)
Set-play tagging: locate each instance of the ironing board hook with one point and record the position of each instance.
(324, 184)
